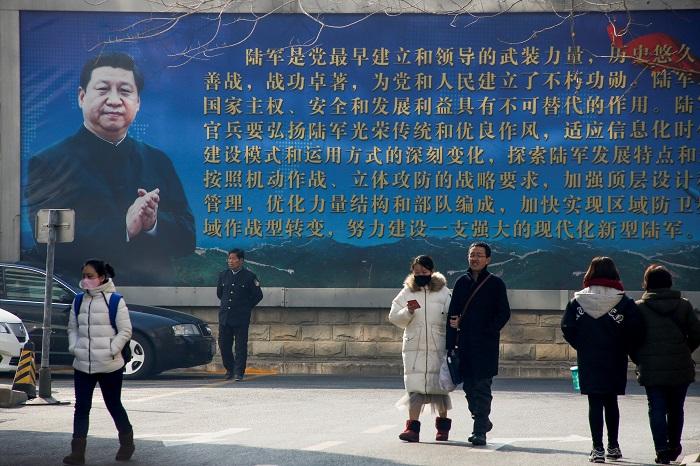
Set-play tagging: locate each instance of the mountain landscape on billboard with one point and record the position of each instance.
(325, 263)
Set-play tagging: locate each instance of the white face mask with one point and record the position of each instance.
(91, 283)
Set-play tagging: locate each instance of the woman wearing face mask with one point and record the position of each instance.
(97, 349)
(421, 309)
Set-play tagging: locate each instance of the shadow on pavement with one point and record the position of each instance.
(554, 451)
(540, 451)
(564, 386)
(290, 382)
(26, 448)
(185, 379)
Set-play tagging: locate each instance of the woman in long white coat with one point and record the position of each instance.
(421, 309)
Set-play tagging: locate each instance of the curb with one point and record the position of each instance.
(248, 371)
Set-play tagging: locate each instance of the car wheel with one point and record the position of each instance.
(142, 358)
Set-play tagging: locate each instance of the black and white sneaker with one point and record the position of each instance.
(614, 453)
(597, 456)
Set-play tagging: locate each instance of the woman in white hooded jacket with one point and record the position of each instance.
(97, 348)
(421, 309)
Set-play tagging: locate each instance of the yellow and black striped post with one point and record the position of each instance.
(25, 377)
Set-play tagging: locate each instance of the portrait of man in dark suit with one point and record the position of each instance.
(130, 206)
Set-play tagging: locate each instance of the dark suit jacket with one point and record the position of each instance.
(239, 294)
(99, 181)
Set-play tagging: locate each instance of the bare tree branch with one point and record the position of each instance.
(173, 12)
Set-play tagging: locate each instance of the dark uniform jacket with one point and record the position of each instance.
(672, 334)
(603, 330)
(479, 333)
(239, 294)
(99, 181)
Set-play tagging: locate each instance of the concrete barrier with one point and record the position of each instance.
(11, 398)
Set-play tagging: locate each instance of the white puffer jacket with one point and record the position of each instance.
(92, 339)
(424, 332)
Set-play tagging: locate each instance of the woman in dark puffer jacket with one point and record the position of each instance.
(665, 364)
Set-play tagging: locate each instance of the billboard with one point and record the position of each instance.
(333, 155)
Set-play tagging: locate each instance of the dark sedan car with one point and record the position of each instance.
(162, 338)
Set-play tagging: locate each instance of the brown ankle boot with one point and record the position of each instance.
(126, 446)
(77, 453)
(411, 432)
(442, 424)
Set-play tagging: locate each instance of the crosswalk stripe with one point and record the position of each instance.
(323, 445)
(378, 429)
(192, 437)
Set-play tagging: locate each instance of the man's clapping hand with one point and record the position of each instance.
(143, 213)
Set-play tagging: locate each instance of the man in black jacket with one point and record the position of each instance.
(128, 200)
(477, 334)
(239, 292)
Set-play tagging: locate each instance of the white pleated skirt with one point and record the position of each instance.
(437, 402)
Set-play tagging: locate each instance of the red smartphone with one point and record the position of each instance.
(413, 304)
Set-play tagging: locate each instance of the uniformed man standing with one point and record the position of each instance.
(239, 292)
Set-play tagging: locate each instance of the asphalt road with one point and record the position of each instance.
(199, 419)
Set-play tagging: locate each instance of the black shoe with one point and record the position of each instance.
(663, 457)
(597, 455)
(478, 440)
(674, 452)
(489, 426)
(238, 378)
(229, 375)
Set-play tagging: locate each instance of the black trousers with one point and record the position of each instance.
(478, 394)
(111, 387)
(597, 404)
(235, 338)
(666, 414)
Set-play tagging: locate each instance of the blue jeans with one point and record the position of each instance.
(666, 414)
(111, 387)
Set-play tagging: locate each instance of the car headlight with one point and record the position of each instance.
(185, 329)
(4, 328)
